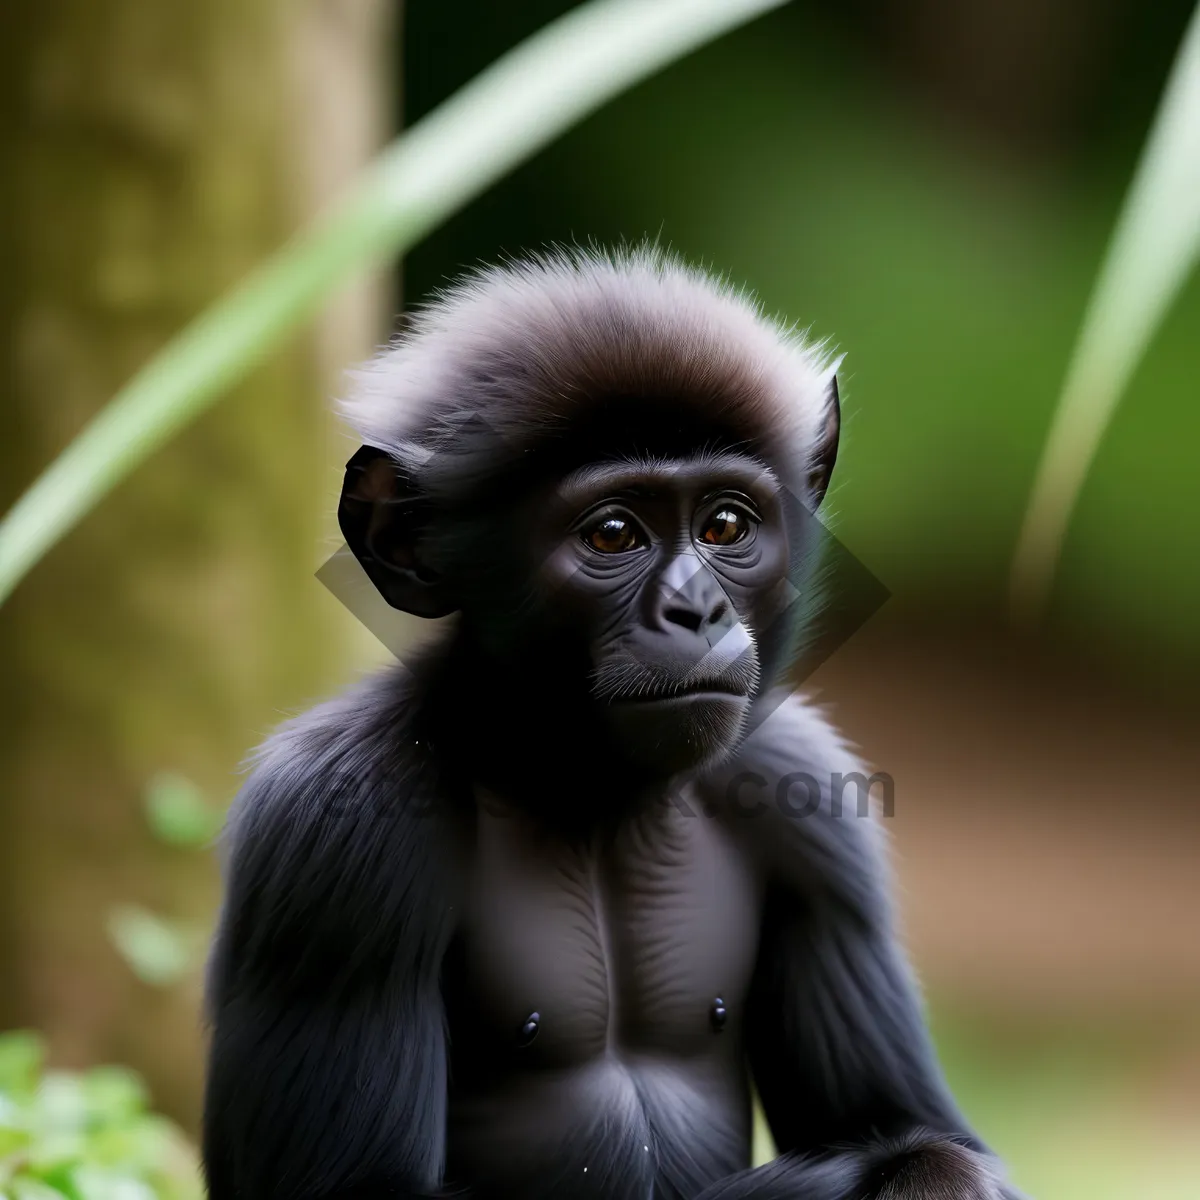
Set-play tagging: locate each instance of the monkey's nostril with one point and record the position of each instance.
(719, 612)
(687, 617)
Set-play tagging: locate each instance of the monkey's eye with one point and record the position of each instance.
(726, 526)
(614, 535)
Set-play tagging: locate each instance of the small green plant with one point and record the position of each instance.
(86, 1135)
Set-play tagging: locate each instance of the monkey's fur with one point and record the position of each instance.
(497, 924)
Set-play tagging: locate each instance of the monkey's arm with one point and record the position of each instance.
(835, 1032)
(847, 1075)
(327, 1075)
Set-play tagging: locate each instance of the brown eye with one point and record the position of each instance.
(613, 535)
(725, 527)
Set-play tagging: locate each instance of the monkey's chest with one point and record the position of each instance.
(642, 943)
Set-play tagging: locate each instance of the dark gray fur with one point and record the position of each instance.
(524, 350)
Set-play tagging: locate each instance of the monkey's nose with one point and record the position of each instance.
(690, 598)
(693, 618)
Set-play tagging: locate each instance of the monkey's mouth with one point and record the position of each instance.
(673, 720)
(630, 679)
(685, 690)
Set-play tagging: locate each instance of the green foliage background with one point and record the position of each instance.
(954, 273)
(84, 1136)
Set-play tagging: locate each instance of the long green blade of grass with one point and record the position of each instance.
(1154, 246)
(503, 116)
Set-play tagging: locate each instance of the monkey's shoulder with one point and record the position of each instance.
(350, 770)
(334, 866)
(801, 800)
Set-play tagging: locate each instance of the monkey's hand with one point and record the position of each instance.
(923, 1166)
(919, 1165)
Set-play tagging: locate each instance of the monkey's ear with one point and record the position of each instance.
(384, 519)
(825, 451)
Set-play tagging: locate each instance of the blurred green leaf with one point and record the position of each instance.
(503, 116)
(58, 1175)
(96, 1184)
(1153, 249)
(61, 1104)
(178, 812)
(160, 952)
(112, 1094)
(85, 1136)
(21, 1056)
(28, 1188)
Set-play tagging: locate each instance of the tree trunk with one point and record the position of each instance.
(152, 151)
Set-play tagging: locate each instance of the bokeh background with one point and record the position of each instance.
(931, 185)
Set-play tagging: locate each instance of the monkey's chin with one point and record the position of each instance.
(665, 735)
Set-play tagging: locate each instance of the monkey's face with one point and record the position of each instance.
(665, 576)
(628, 612)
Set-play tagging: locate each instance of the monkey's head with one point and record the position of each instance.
(608, 468)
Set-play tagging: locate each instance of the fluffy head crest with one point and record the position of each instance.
(527, 351)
